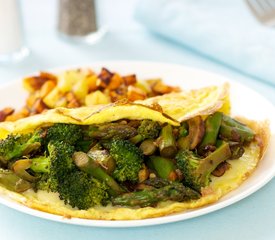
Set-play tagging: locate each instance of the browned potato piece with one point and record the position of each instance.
(115, 82)
(46, 88)
(135, 93)
(104, 78)
(72, 102)
(130, 79)
(161, 88)
(5, 112)
(36, 82)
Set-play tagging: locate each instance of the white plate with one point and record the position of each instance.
(245, 102)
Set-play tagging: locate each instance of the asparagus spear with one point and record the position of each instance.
(12, 182)
(164, 167)
(212, 127)
(87, 164)
(150, 197)
(235, 131)
(111, 131)
(167, 143)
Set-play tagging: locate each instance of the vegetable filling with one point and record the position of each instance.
(132, 163)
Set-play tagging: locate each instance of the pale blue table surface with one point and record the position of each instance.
(251, 218)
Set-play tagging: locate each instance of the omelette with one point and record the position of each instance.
(127, 161)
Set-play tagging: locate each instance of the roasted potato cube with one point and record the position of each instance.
(68, 79)
(135, 93)
(105, 78)
(24, 112)
(55, 99)
(80, 88)
(34, 83)
(115, 82)
(46, 88)
(161, 88)
(72, 101)
(38, 107)
(130, 79)
(5, 112)
(96, 97)
(91, 82)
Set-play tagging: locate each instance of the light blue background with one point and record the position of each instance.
(251, 218)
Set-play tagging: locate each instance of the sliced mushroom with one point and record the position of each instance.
(196, 131)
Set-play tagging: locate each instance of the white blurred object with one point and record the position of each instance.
(11, 32)
(264, 11)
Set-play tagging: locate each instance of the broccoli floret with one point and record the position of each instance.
(128, 159)
(53, 168)
(196, 171)
(59, 174)
(69, 133)
(147, 129)
(18, 145)
(81, 191)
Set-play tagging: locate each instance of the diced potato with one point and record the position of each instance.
(104, 77)
(67, 79)
(24, 112)
(55, 99)
(5, 113)
(159, 87)
(31, 84)
(81, 88)
(143, 85)
(135, 93)
(118, 94)
(31, 100)
(91, 81)
(96, 97)
(130, 79)
(39, 106)
(46, 88)
(72, 102)
(115, 82)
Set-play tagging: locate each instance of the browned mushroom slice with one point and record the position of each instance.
(196, 131)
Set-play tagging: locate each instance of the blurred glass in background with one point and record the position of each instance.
(12, 48)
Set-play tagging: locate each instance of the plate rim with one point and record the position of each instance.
(151, 221)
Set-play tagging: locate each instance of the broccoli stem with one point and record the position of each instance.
(212, 127)
(136, 139)
(12, 182)
(164, 167)
(40, 164)
(150, 197)
(209, 163)
(235, 131)
(167, 144)
(88, 165)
